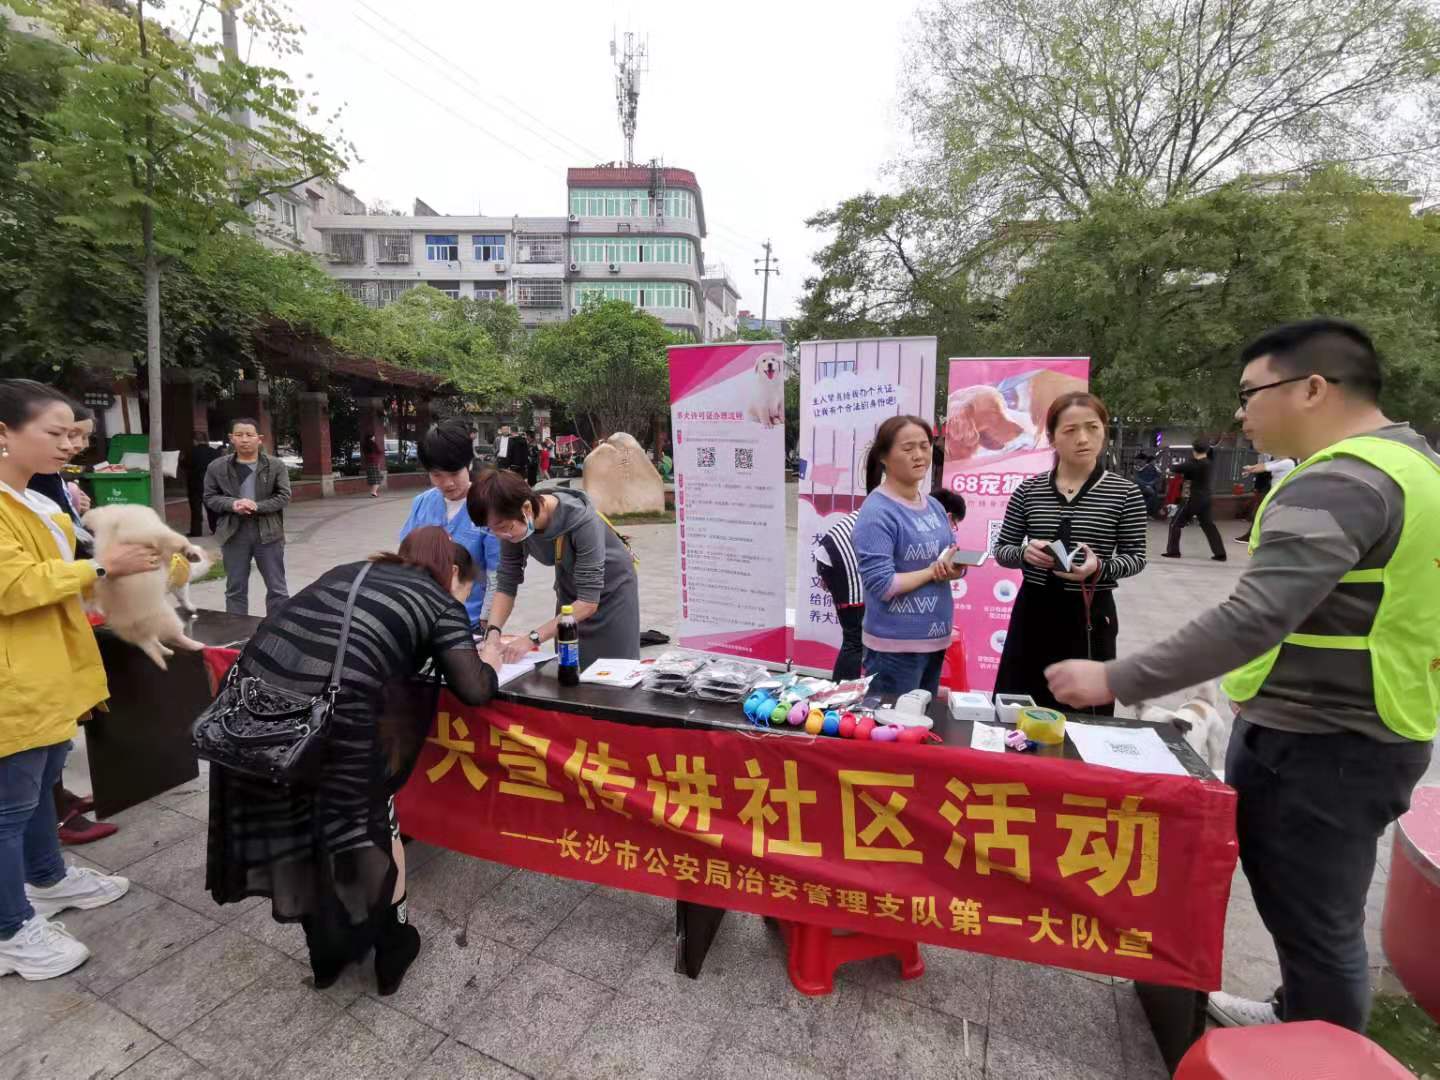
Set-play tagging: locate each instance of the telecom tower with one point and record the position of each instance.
(631, 62)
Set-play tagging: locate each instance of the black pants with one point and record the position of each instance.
(1310, 813)
(1048, 625)
(852, 649)
(197, 509)
(1191, 509)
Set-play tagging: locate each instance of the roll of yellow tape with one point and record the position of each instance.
(1045, 726)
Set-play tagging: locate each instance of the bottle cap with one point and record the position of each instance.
(567, 610)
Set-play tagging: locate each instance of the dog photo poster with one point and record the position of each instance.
(994, 437)
(847, 390)
(727, 413)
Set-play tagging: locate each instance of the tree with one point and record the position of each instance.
(455, 339)
(1163, 297)
(1066, 100)
(150, 151)
(607, 363)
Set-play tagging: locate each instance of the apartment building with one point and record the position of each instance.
(632, 233)
(722, 304)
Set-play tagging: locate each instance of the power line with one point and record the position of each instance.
(766, 271)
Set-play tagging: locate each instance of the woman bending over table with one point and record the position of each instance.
(329, 855)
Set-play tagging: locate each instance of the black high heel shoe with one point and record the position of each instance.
(395, 951)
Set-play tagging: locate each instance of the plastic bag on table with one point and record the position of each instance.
(726, 680)
(673, 672)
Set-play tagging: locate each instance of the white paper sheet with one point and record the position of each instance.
(524, 666)
(1133, 749)
(987, 737)
(621, 673)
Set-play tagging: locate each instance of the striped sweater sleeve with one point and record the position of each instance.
(1130, 547)
(1010, 544)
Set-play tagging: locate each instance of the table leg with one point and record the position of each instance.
(1176, 1015)
(695, 928)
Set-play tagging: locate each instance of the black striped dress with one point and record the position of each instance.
(1049, 622)
(325, 852)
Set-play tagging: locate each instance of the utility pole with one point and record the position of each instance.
(766, 270)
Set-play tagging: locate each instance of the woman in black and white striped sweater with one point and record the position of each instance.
(1061, 615)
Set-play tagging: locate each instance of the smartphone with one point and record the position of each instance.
(960, 557)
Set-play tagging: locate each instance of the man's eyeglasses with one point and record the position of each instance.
(1245, 393)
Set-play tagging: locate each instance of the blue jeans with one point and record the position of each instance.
(900, 672)
(29, 836)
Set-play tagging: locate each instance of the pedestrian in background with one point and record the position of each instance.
(373, 456)
(1199, 471)
(1267, 471)
(532, 458)
(202, 454)
(248, 490)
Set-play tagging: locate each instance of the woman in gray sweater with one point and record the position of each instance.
(594, 569)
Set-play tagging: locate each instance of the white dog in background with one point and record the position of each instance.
(136, 607)
(767, 400)
(1203, 720)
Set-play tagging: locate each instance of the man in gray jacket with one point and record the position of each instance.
(248, 489)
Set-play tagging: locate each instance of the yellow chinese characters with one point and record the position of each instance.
(599, 776)
(1089, 849)
(1000, 815)
(454, 739)
(522, 756)
(862, 844)
(681, 791)
(758, 813)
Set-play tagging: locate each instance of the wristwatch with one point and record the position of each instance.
(99, 570)
(492, 630)
(535, 638)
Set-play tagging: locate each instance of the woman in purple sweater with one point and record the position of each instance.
(903, 540)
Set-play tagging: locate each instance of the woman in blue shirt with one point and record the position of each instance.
(446, 454)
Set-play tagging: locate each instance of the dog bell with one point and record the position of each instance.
(864, 726)
(815, 722)
(797, 714)
(831, 725)
(779, 715)
(847, 725)
(884, 733)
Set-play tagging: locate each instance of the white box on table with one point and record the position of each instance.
(971, 705)
(1008, 706)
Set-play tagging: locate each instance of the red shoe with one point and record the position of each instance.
(78, 829)
(79, 804)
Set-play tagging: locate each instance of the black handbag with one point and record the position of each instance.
(268, 733)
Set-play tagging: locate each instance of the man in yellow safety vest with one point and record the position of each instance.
(1332, 641)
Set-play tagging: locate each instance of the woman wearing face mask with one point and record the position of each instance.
(328, 855)
(447, 454)
(594, 570)
(1098, 514)
(50, 674)
(903, 541)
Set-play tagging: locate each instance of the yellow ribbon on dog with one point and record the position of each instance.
(179, 571)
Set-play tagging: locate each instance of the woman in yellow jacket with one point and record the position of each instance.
(50, 674)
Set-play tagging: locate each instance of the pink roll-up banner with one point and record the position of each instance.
(727, 413)
(994, 439)
(847, 390)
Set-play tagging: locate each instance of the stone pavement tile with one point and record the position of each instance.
(167, 1063)
(533, 1018)
(1009, 1059)
(523, 909)
(30, 1007)
(899, 1039)
(254, 1032)
(608, 934)
(742, 945)
(96, 1042)
(175, 993)
(451, 883)
(260, 924)
(178, 872)
(90, 925)
(418, 853)
(451, 1061)
(817, 1030)
(138, 942)
(1077, 1017)
(1251, 969)
(181, 792)
(196, 806)
(955, 982)
(353, 1049)
(733, 1058)
(144, 830)
(447, 979)
(1137, 1041)
(630, 1038)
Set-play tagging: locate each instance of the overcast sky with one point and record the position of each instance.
(780, 107)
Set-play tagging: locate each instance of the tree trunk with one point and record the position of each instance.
(152, 365)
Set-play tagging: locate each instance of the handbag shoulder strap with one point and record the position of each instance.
(334, 687)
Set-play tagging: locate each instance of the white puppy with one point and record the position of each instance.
(767, 399)
(136, 608)
(1202, 719)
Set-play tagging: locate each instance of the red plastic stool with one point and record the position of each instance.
(816, 951)
(953, 675)
(1309, 1050)
(1410, 927)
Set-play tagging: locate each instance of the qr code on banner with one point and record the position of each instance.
(705, 456)
(992, 533)
(744, 457)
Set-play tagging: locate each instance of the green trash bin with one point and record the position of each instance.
(111, 488)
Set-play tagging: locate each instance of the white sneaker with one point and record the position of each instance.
(1227, 1010)
(80, 888)
(41, 950)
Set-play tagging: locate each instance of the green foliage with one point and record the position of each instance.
(607, 363)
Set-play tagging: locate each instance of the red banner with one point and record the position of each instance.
(1041, 859)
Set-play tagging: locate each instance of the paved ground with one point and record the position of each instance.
(528, 975)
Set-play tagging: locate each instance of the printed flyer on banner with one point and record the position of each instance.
(847, 390)
(727, 412)
(994, 438)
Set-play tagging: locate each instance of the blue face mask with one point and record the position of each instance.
(529, 529)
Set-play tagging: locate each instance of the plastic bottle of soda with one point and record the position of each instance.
(567, 640)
